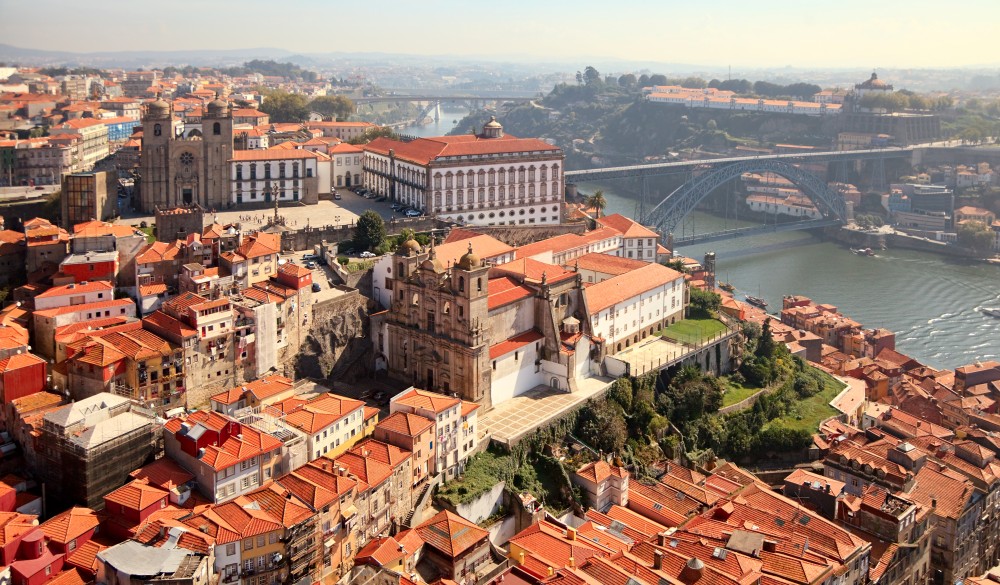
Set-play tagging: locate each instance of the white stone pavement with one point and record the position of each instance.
(512, 420)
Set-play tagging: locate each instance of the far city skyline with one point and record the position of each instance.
(763, 33)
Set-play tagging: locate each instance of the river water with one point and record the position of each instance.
(449, 116)
(931, 302)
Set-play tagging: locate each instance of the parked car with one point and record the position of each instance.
(413, 213)
(310, 265)
(367, 254)
(337, 197)
(316, 287)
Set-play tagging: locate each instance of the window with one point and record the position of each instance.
(217, 129)
(261, 540)
(157, 130)
(231, 549)
(248, 544)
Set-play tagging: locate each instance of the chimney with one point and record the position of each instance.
(692, 571)
(572, 563)
(570, 533)
(933, 502)
(661, 539)
(520, 558)
(550, 571)
(657, 560)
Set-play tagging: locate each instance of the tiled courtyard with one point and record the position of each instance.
(511, 421)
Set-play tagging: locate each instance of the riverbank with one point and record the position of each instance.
(878, 240)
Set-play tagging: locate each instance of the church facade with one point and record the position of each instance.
(181, 169)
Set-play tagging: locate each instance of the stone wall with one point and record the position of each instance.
(520, 235)
(338, 344)
(307, 238)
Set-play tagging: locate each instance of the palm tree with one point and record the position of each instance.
(597, 201)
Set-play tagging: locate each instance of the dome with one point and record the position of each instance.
(433, 264)
(469, 260)
(218, 107)
(874, 82)
(410, 246)
(492, 129)
(158, 109)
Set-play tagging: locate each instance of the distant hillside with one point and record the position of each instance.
(208, 58)
(621, 127)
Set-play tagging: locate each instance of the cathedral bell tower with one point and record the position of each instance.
(217, 134)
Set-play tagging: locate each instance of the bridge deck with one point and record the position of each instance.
(674, 166)
(753, 231)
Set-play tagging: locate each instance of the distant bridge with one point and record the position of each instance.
(669, 213)
(668, 168)
(438, 98)
(753, 231)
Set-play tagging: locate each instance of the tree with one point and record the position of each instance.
(335, 106)
(705, 301)
(602, 426)
(644, 80)
(591, 76)
(976, 236)
(369, 233)
(627, 80)
(658, 79)
(369, 135)
(285, 107)
(597, 201)
(766, 345)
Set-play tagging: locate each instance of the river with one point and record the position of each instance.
(449, 115)
(931, 302)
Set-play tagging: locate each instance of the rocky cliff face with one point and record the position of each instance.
(338, 345)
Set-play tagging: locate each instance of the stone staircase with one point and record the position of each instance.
(419, 504)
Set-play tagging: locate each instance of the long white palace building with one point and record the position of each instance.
(485, 179)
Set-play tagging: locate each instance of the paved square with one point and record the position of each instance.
(651, 354)
(511, 421)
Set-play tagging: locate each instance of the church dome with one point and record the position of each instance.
(875, 83)
(493, 129)
(158, 109)
(218, 108)
(433, 264)
(469, 260)
(410, 246)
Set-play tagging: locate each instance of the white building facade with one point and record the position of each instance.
(628, 308)
(485, 179)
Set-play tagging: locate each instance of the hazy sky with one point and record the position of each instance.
(765, 33)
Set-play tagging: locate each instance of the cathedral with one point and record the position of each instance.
(179, 169)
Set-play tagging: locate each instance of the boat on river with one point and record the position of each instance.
(863, 251)
(991, 311)
(757, 302)
(727, 287)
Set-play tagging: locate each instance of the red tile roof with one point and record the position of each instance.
(405, 423)
(163, 473)
(424, 150)
(77, 289)
(451, 534)
(629, 228)
(69, 525)
(137, 495)
(514, 343)
(424, 400)
(620, 288)
(380, 552)
(505, 290)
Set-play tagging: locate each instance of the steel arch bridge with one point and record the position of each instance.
(669, 213)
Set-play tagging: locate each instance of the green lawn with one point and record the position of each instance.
(807, 414)
(149, 234)
(736, 392)
(694, 329)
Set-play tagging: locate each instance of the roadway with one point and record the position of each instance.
(666, 167)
